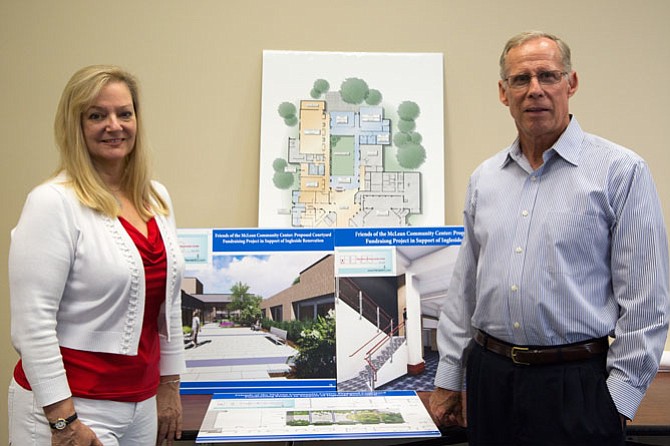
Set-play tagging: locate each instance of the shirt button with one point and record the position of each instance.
(517, 325)
(524, 213)
(518, 250)
(514, 288)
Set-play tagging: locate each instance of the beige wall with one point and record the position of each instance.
(200, 65)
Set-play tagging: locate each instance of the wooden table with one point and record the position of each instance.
(652, 418)
(194, 408)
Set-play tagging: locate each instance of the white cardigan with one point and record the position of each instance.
(76, 280)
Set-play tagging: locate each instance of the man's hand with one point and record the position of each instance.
(448, 407)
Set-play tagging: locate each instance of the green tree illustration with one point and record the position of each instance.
(320, 87)
(409, 110)
(374, 97)
(354, 90)
(281, 178)
(410, 154)
(288, 112)
(248, 304)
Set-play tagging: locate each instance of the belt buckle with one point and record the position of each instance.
(513, 355)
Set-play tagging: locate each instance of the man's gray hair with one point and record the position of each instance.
(524, 37)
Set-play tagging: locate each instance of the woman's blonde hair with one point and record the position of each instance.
(78, 95)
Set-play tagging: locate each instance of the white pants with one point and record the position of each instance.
(115, 423)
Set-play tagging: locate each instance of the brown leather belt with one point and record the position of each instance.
(543, 355)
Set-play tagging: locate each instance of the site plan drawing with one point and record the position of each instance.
(315, 416)
(351, 140)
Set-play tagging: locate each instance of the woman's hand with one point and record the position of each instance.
(75, 434)
(169, 410)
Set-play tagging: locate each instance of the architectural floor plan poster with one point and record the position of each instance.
(351, 140)
(316, 416)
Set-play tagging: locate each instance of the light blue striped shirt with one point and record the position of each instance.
(574, 250)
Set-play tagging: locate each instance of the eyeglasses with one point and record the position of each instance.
(543, 77)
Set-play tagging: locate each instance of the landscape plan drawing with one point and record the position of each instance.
(351, 140)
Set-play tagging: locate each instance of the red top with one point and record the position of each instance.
(117, 377)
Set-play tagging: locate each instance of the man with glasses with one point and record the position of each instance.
(557, 312)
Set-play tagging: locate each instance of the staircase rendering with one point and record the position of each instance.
(380, 348)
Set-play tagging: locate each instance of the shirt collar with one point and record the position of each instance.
(568, 146)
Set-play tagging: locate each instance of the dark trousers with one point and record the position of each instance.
(566, 404)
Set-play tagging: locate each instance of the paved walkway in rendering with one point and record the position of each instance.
(235, 354)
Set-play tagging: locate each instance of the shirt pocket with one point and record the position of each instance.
(571, 243)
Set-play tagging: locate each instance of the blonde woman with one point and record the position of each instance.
(95, 273)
